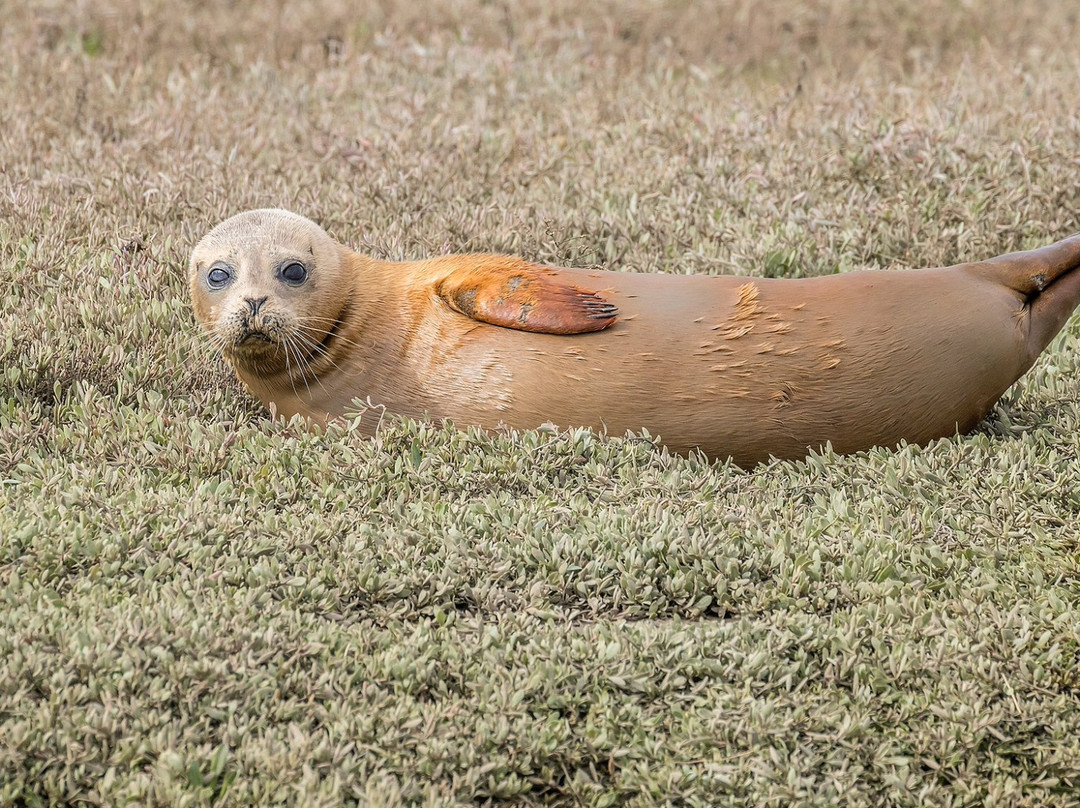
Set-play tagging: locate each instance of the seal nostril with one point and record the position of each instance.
(254, 305)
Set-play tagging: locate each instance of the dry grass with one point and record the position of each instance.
(200, 607)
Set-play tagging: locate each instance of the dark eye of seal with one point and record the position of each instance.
(294, 273)
(219, 277)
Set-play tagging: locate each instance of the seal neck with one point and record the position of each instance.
(354, 340)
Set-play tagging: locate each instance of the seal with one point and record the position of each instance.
(739, 367)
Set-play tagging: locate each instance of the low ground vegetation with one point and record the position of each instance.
(199, 606)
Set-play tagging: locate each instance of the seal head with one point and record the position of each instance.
(255, 280)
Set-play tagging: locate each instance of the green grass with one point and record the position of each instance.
(199, 606)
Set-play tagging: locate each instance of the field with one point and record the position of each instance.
(202, 607)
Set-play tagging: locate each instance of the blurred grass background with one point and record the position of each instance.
(202, 607)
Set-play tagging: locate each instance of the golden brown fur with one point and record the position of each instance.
(739, 367)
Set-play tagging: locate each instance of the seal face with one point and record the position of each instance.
(736, 367)
(265, 285)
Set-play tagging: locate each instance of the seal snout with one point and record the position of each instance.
(255, 304)
(254, 326)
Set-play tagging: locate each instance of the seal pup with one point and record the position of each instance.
(739, 367)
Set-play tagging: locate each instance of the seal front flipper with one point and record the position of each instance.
(511, 293)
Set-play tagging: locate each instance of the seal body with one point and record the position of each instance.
(737, 367)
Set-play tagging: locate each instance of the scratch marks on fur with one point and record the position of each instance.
(487, 382)
(828, 361)
(828, 357)
(748, 307)
(730, 366)
(438, 346)
(782, 397)
(749, 315)
(747, 310)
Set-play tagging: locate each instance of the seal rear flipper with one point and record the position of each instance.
(511, 293)
(1048, 283)
(1051, 309)
(1032, 271)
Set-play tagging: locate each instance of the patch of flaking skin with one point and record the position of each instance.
(747, 306)
(709, 348)
(783, 396)
(729, 366)
(747, 310)
(827, 358)
(734, 333)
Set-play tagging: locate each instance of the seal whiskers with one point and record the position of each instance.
(305, 362)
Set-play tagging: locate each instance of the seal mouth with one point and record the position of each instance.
(257, 336)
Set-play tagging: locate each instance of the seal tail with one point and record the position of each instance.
(1049, 281)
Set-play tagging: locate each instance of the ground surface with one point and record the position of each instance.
(201, 607)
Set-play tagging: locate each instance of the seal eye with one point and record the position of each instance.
(218, 277)
(294, 273)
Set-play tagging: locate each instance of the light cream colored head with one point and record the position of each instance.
(269, 287)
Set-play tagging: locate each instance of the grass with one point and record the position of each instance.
(200, 607)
